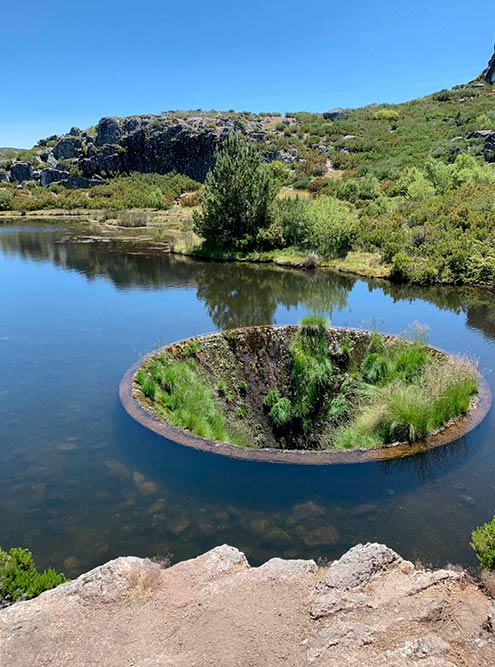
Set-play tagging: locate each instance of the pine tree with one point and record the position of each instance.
(237, 196)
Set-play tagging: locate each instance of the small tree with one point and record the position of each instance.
(237, 196)
(332, 224)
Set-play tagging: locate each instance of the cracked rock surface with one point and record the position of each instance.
(370, 608)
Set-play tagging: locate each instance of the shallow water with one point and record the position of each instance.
(80, 482)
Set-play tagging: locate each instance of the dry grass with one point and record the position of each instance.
(142, 585)
(362, 264)
(488, 581)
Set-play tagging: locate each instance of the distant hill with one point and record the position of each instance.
(378, 138)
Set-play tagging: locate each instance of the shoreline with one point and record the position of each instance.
(357, 264)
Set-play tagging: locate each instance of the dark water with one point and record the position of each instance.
(80, 482)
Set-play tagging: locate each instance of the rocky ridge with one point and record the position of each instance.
(184, 142)
(370, 608)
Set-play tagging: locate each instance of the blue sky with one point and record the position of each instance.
(69, 63)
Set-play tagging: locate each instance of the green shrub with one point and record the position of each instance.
(376, 368)
(19, 578)
(237, 197)
(271, 398)
(483, 543)
(292, 215)
(386, 114)
(332, 224)
(6, 199)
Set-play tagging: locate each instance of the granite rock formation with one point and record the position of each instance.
(370, 608)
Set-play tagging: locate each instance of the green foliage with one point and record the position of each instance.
(243, 388)
(332, 224)
(237, 197)
(292, 216)
(386, 114)
(312, 368)
(19, 578)
(376, 368)
(118, 194)
(409, 360)
(271, 398)
(483, 543)
(223, 391)
(190, 349)
(6, 199)
(184, 398)
(410, 407)
(281, 413)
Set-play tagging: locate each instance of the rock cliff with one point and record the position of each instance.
(184, 142)
(370, 608)
(489, 73)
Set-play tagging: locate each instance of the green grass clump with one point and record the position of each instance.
(182, 396)
(281, 413)
(19, 578)
(190, 349)
(410, 360)
(483, 543)
(409, 409)
(271, 398)
(376, 368)
(312, 368)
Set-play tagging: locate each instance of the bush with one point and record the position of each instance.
(483, 543)
(6, 199)
(19, 578)
(333, 225)
(386, 114)
(237, 197)
(292, 215)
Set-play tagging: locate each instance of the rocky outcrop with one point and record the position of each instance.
(489, 73)
(489, 138)
(184, 142)
(21, 171)
(50, 175)
(370, 608)
(335, 114)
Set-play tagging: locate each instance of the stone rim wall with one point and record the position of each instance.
(452, 432)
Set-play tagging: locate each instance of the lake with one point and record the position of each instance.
(81, 482)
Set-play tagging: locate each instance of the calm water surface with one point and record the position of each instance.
(80, 482)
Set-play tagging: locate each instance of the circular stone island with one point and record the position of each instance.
(310, 394)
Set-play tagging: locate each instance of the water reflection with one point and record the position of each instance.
(239, 295)
(80, 482)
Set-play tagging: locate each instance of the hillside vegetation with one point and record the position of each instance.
(409, 187)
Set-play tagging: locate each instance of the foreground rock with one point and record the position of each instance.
(370, 608)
